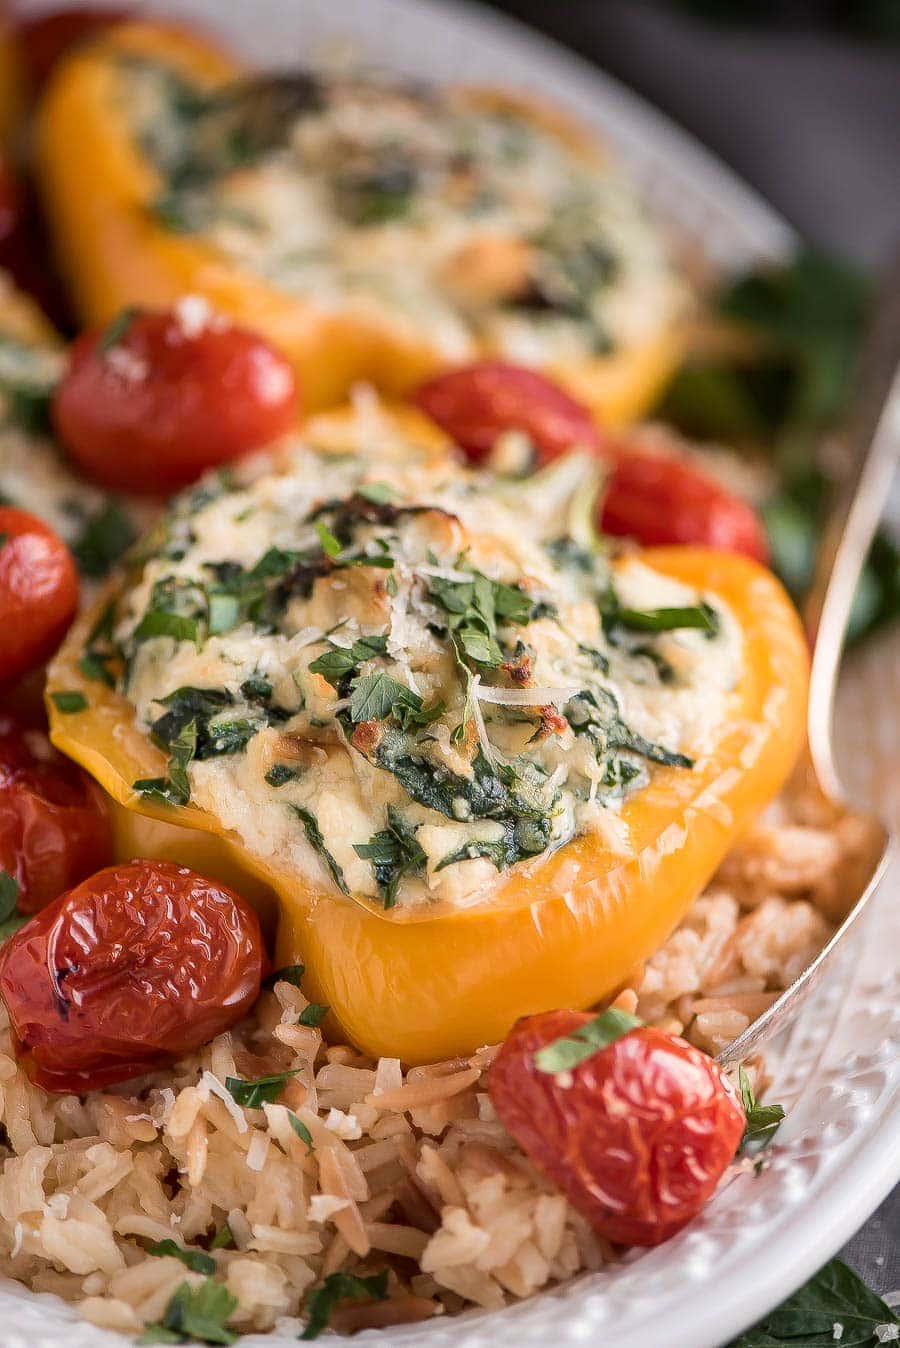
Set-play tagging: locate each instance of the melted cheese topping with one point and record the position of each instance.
(476, 227)
(395, 677)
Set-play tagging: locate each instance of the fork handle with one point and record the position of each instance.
(872, 440)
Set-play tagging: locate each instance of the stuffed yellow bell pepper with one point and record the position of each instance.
(470, 765)
(371, 231)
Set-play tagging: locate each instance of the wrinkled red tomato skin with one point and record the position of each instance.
(662, 500)
(167, 401)
(54, 821)
(476, 403)
(38, 592)
(638, 1138)
(655, 498)
(135, 966)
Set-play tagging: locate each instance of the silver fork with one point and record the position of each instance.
(872, 446)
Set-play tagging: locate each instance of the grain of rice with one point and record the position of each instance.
(422, 1093)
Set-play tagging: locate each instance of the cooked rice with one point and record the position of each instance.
(409, 1170)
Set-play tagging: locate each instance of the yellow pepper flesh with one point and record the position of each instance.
(565, 930)
(98, 187)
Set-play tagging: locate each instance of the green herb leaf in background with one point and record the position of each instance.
(781, 396)
(763, 1121)
(836, 1296)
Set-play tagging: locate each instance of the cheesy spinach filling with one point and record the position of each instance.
(470, 221)
(400, 679)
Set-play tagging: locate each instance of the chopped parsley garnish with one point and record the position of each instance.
(301, 1130)
(700, 616)
(257, 688)
(597, 715)
(376, 696)
(198, 1261)
(339, 1287)
(314, 837)
(565, 1053)
(253, 1094)
(116, 329)
(223, 1239)
(336, 663)
(313, 1015)
(280, 773)
(394, 853)
(195, 1313)
(474, 610)
(510, 794)
(94, 666)
(763, 1121)
(331, 546)
(100, 649)
(290, 973)
(69, 702)
(176, 609)
(104, 538)
(10, 917)
(196, 725)
(175, 789)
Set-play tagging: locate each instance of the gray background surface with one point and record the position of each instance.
(809, 117)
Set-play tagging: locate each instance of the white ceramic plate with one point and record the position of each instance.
(838, 1154)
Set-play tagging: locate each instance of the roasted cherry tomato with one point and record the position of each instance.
(637, 1135)
(45, 39)
(135, 966)
(662, 499)
(654, 498)
(476, 403)
(54, 821)
(157, 398)
(38, 592)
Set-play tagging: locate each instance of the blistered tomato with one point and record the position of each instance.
(135, 966)
(655, 498)
(476, 403)
(157, 398)
(38, 592)
(636, 1135)
(54, 821)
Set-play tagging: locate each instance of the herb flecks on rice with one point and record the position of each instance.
(418, 1177)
